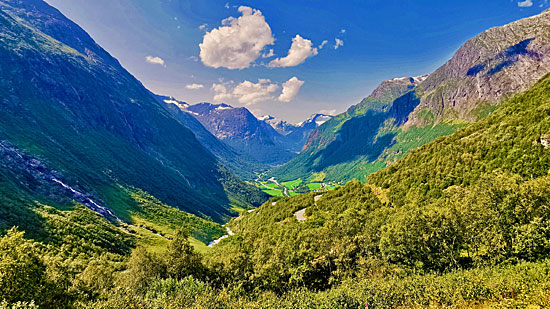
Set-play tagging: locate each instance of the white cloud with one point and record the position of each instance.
(325, 42)
(338, 43)
(343, 31)
(249, 93)
(300, 50)
(238, 43)
(222, 94)
(155, 60)
(194, 86)
(269, 54)
(203, 26)
(525, 4)
(290, 89)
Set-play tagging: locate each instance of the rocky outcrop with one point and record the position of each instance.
(39, 180)
(492, 66)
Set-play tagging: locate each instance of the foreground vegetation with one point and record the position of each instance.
(461, 222)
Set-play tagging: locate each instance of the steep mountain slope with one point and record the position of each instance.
(243, 131)
(492, 66)
(67, 103)
(239, 163)
(363, 132)
(476, 198)
(405, 113)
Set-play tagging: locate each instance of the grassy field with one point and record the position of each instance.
(292, 184)
(274, 192)
(294, 187)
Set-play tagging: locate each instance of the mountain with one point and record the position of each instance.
(295, 136)
(461, 206)
(238, 128)
(241, 164)
(405, 113)
(83, 128)
(281, 126)
(314, 121)
(494, 65)
(339, 148)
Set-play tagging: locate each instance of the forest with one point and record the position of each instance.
(463, 221)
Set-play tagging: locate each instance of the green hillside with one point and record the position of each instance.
(366, 138)
(463, 221)
(108, 201)
(465, 206)
(72, 107)
(404, 113)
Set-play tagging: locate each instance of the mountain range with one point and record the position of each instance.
(296, 135)
(110, 194)
(404, 113)
(267, 140)
(72, 111)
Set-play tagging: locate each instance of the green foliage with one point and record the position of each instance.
(81, 231)
(467, 227)
(181, 259)
(143, 268)
(461, 222)
(274, 192)
(22, 271)
(170, 219)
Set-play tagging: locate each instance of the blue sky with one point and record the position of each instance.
(159, 41)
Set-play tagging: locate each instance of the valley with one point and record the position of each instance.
(432, 192)
(293, 188)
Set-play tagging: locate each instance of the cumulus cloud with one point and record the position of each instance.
(300, 50)
(525, 4)
(155, 60)
(338, 43)
(221, 93)
(238, 43)
(249, 93)
(325, 42)
(203, 26)
(290, 89)
(269, 54)
(194, 86)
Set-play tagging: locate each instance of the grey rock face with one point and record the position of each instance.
(34, 174)
(496, 64)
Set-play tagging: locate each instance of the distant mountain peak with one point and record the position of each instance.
(266, 118)
(171, 100)
(318, 119)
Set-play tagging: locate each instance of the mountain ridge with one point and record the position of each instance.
(488, 68)
(54, 92)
